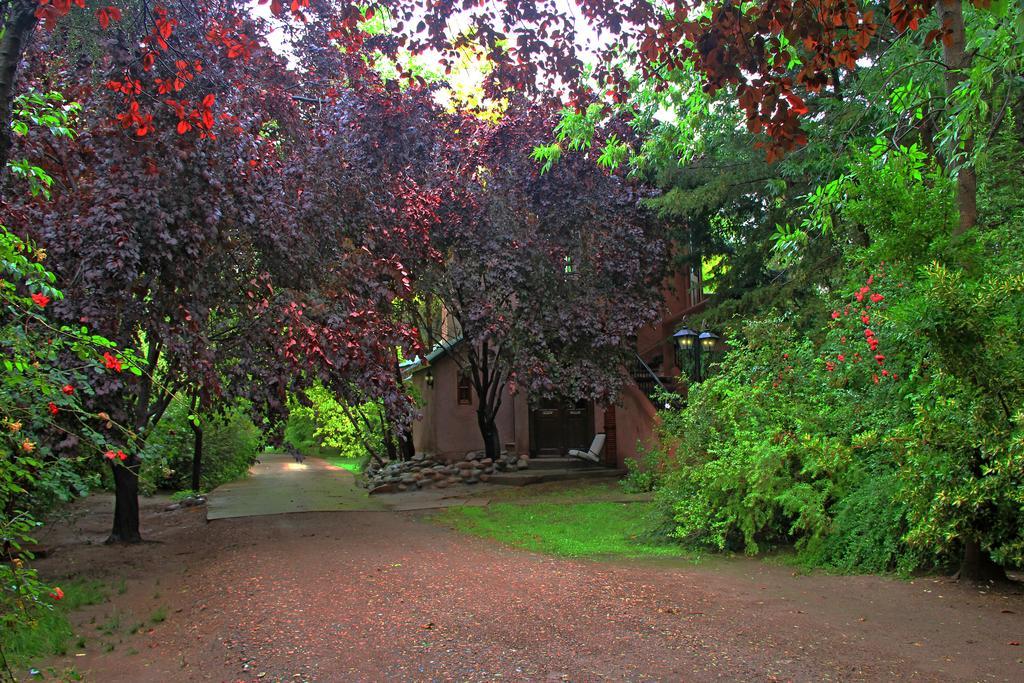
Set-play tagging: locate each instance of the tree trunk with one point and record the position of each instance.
(977, 564)
(197, 455)
(951, 14)
(489, 431)
(126, 502)
(405, 444)
(17, 29)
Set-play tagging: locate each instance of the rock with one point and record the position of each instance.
(486, 461)
(403, 487)
(441, 484)
(409, 479)
(384, 488)
(172, 507)
(472, 480)
(465, 465)
(522, 464)
(485, 477)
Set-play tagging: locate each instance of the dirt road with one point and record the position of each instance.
(388, 596)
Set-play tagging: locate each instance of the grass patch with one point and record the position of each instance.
(47, 630)
(580, 529)
(353, 465)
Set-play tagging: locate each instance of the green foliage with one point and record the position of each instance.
(885, 436)
(637, 479)
(231, 443)
(40, 629)
(347, 433)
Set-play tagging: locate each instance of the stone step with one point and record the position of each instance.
(542, 462)
(534, 476)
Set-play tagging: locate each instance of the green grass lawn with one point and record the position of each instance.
(572, 529)
(353, 465)
(47, 631)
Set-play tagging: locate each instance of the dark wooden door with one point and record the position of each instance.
(556, 427)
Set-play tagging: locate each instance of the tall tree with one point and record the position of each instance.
(548, 275)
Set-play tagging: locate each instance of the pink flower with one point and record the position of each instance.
(876, 297)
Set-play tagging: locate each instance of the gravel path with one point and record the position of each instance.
(387, 596)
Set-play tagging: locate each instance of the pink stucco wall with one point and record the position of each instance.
(635, 419)
(449, 430)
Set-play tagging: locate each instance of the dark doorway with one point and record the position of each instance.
(557, 426)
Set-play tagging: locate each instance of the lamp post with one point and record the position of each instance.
(692, 347)
(707, 341)
(688, 343)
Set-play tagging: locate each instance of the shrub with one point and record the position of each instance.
(231, 443)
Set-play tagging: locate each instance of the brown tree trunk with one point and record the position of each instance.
(126, 502)
(197, 455)
(489, 431)
(951, 14)
(21, 20)
(977, 564)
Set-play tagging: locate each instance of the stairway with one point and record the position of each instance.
(544, 469)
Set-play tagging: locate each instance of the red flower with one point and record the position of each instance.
(864, 318)
(111, 361)
(835, 315)
(119, 455)
(110, 455)
(885, 373)
(871, 279)
(877, 297)
(859, 296)
(57, 593)
(68, 389)
(880, 358)
(841, 357)
(53, 408)
(40, 300)
(830, 366)
(874, 378)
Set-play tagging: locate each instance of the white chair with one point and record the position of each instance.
(594, 453)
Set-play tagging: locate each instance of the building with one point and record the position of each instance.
(448, 425)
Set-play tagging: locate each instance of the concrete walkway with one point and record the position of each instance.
(279, 485)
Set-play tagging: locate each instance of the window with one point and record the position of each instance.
(465, 390)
